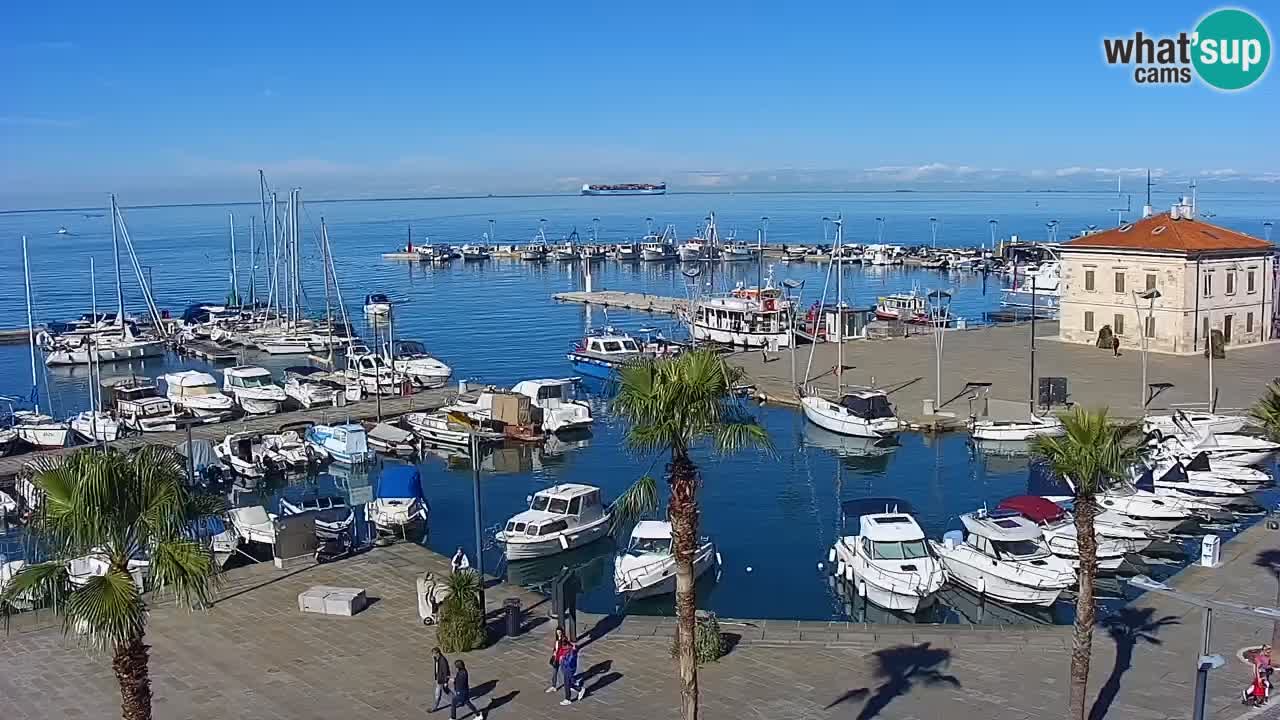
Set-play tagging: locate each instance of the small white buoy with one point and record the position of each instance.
(748, 568)
(819, 565)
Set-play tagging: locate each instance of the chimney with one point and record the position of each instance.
(1146, 211)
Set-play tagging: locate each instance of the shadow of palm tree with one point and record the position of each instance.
(902, 668)
(1127, 629)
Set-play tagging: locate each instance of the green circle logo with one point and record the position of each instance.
(1232, 49)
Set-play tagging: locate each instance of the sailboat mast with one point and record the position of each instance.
(324, 259)
(93, 308)
(115, 256)
(31, 326)
(235, 281)
(839, 306)
(273, 298)
(253, 266)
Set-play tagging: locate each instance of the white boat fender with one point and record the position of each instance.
(564, 542)
(720, 562)
(862, 589)
(831, 555)
(982, 585)
(848, 573)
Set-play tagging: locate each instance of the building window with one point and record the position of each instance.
(1118, 325)
(1231, 282)
(1248, 322)
(1150, 329)
(1249, 285)
(1120, 282)
(1088, 280)
(1226, 329)
(1208, 284)
(1151, 281)
(1088, 320)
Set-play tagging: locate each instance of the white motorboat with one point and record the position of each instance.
(1003, 557)
(391, 440)
(1140, 504)
(40, 431)
(1006, 421)
(1171, 478)
(377, 305)
(311, 386)
(1060, 536)
(373, 372)
(95, 426)
(647, 568)
(82, 569)
(330, 512)
(8, 568)
(100, 348)
(627, 252)
(1228, 448)
(1182, 422)
(437, 428)
(559, 518)
(888, 561)
(862, 413)
(253, 524)
(138, 405)
(8, 505)
(8, 440)
(196, 393)
(252, 389)
(412, 360)
(287, 451)
(474, 253)
(344, 444)
(244, 453)
(399, 500)
(561, 411)
(1245, 475)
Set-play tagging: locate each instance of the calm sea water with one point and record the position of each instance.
(772, 515)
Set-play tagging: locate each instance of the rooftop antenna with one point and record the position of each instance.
(1266, 230)
(1128, 203)
(1193, 197)
(1146, 209)
(933, 231)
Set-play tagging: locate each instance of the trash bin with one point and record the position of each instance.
(511, 608)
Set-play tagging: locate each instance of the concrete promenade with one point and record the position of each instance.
(905, 368)
(253, 655)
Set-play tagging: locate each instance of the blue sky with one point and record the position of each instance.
(176, 101)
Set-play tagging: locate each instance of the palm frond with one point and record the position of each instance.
(1267, 410)
(184, 568)
(106, 609)
(634, 503)
(1092, 452)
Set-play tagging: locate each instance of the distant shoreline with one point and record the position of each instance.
(508, 196)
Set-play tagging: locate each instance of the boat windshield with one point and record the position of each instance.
(651, 545)
(630, 346)
(200, 390)
(559, 506)
(1017, 548)
(253, 381)
(908, 550)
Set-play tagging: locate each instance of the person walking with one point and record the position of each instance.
(1115, 345)
(569, 673)
(558, 645)
(1263, 663)
(440, 669)
(462, 692)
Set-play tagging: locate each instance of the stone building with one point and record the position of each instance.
(1203, 276)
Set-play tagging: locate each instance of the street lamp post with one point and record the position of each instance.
(475, 494)
(1150, 296)
(940, 312)
(792, 285)
(933, 231)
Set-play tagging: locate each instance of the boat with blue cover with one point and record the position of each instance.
(399, 501)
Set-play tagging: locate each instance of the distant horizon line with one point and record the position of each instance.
(488, 196)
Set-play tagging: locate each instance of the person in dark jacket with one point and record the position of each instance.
(462, 692)
(440, 668)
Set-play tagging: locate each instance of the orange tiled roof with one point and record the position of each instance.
(1162, 233)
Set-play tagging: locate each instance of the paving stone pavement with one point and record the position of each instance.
(253, 655)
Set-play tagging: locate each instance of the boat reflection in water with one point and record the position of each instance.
(592, 562)
(1003, 448)
(859, 609)
(968, 607)
(859, 454)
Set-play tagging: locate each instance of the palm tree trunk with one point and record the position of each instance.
(130, 665)
(1082, 636)
(683, 511)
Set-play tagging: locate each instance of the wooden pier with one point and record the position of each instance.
(626, 301)
(369, 409)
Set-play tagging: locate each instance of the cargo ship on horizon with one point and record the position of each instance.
(626, 189)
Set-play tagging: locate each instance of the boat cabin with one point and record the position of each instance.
(1034, 508)
(902, 306)
(547, 393)
(376, 299)
(556, 509)
(246, 377)
(868, 405)
(190, 384)
(1004, 535)
(609, 345)
(650, 537)
(742, 315)
(410, 349)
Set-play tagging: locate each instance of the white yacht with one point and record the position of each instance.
(862, 413)
(377, 305)
(647, 568)
(746, 317)
(138, 405)
(372, 372)
(1060, 534)
(311, 386)
(561, 411)
(1182, 422)
(412, 360)
(888, 561)
(95, 426)
(252, 389)
(1171, 478)
(559, 518)
(197, 394)
(1003, 557)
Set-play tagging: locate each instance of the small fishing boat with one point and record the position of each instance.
(647, 568)
(398, 501)
(627, 252)
(905, 307)
(557, 399)
(253, 390)
(196, 393)
(738, 251)
(311, 386)
(795, 253)
(475, 253)
(888, 561)
(559, 518)
(1003, 556)
(345, 444)
(391, 440)
(138, 405)
(568, 250)
(601, 355)
(377, 305)
(595, 253)
(658, 251)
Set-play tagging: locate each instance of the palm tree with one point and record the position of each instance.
(1092, 452)
(673, 404)
(115, 507)
(1267, 410)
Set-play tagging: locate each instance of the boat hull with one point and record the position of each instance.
(1013, 432)
(593, 367)
(979, 580)
(43, 436)
(577, 537)
(829, 416)
(106, 353)
(770, 340)
(871, 586)
(661, 578)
